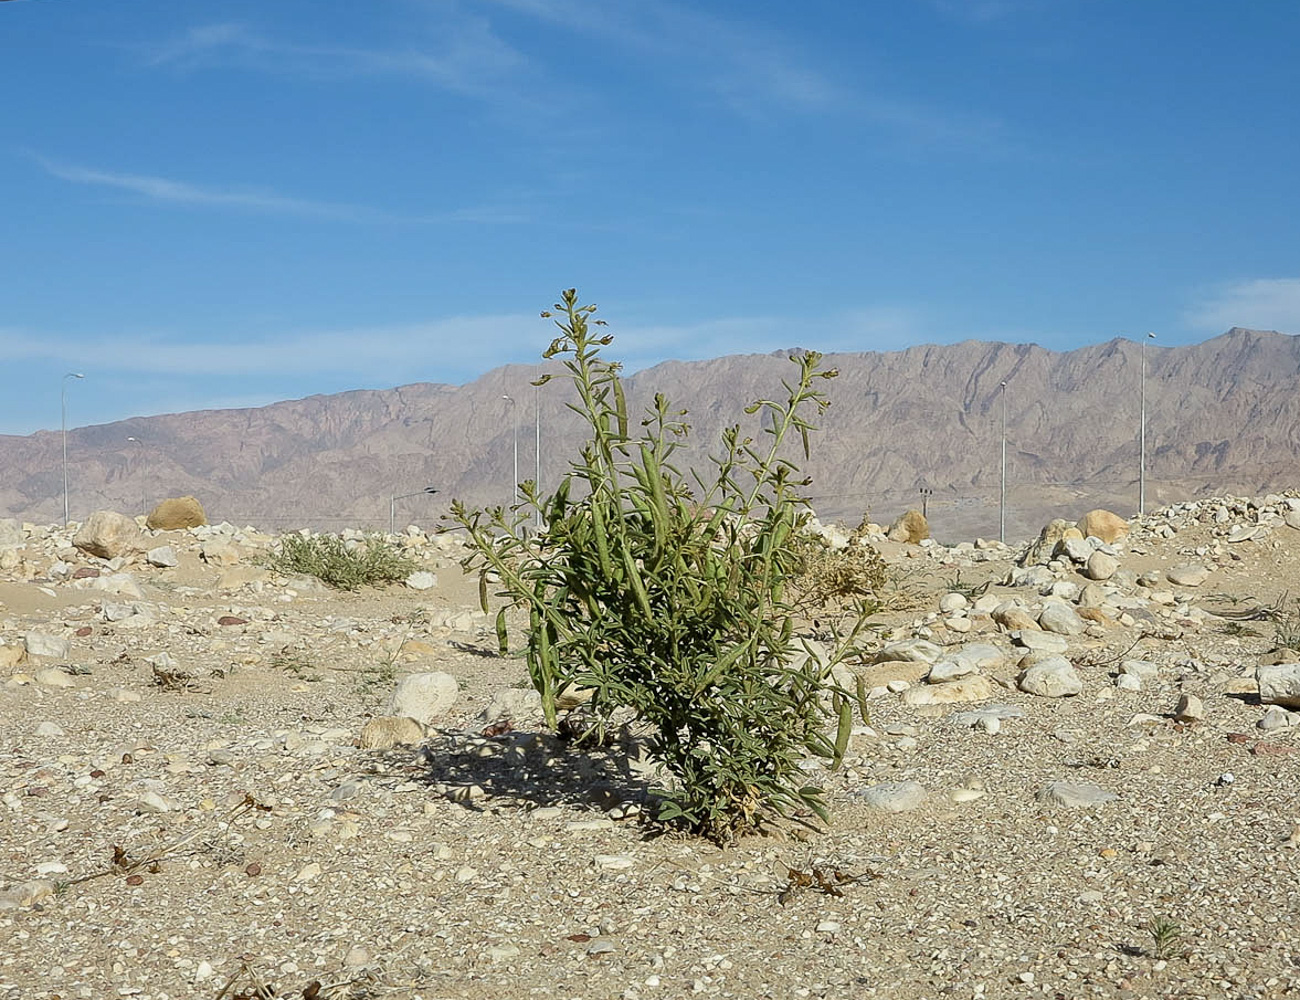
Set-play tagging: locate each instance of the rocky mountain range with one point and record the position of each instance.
(905, 428)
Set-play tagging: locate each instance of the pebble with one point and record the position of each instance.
(1052, 677)
(1075, 795)
(893, 796)
(1189, 709)
(1042, 642)
(53, 677)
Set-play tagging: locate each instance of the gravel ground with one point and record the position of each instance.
(225, 836)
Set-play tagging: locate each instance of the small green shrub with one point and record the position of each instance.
(1166, 936)
(346, 566)
(1286, 623)
(829, 577)
(676, 604)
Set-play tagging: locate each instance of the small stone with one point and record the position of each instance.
(975, 687)
(1075, 795)
(893, 796)
(1100, 566)
(1276, 717)
(1279, 684)
(152, 802)
(614, 862)
(1144, 670)
(54, 677)
(913, 650)
(44, 644)
(422, 580)
(951, 602)
(1014, 619)
(308, 872)
(1128, 682)
(1187, 575)
(425, 697)
(1050, 677)
(828, 927)
(1044, 642)
(949, 670)
(356, 957)
(1189, 709)
(164, 557)
(1060, 618)
(49, 729)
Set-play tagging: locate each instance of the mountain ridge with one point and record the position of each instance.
(1221, 415)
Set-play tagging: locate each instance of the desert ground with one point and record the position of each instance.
(1079, 779)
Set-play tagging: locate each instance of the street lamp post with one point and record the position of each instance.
(1002, 493)
(537, 455)
(392, 506)
(139, 462)
(1142, 432)
(63, 409)
(514, 412)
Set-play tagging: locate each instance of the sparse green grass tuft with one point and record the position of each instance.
(1166, 935)
(345, 565)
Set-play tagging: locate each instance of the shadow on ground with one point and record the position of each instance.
(521, 769)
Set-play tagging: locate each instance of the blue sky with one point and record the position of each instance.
(211, 205)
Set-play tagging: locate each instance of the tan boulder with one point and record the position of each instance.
(175, 513)
(11, 656)
(910, 528)
(1015, 618)
(108, 534)
(1041, 550)
(1103, 524)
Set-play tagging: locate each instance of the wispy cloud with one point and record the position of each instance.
(166, 191)
(737, 64)
(456, 344)
(1260, 304)
(162, 189)
(750, 71)
(455, 347)
(463, 56)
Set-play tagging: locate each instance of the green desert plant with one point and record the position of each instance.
(1286, 623)
(672, 601)
(342, 564)
(1166, 935)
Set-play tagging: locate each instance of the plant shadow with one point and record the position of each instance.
(521, 770)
